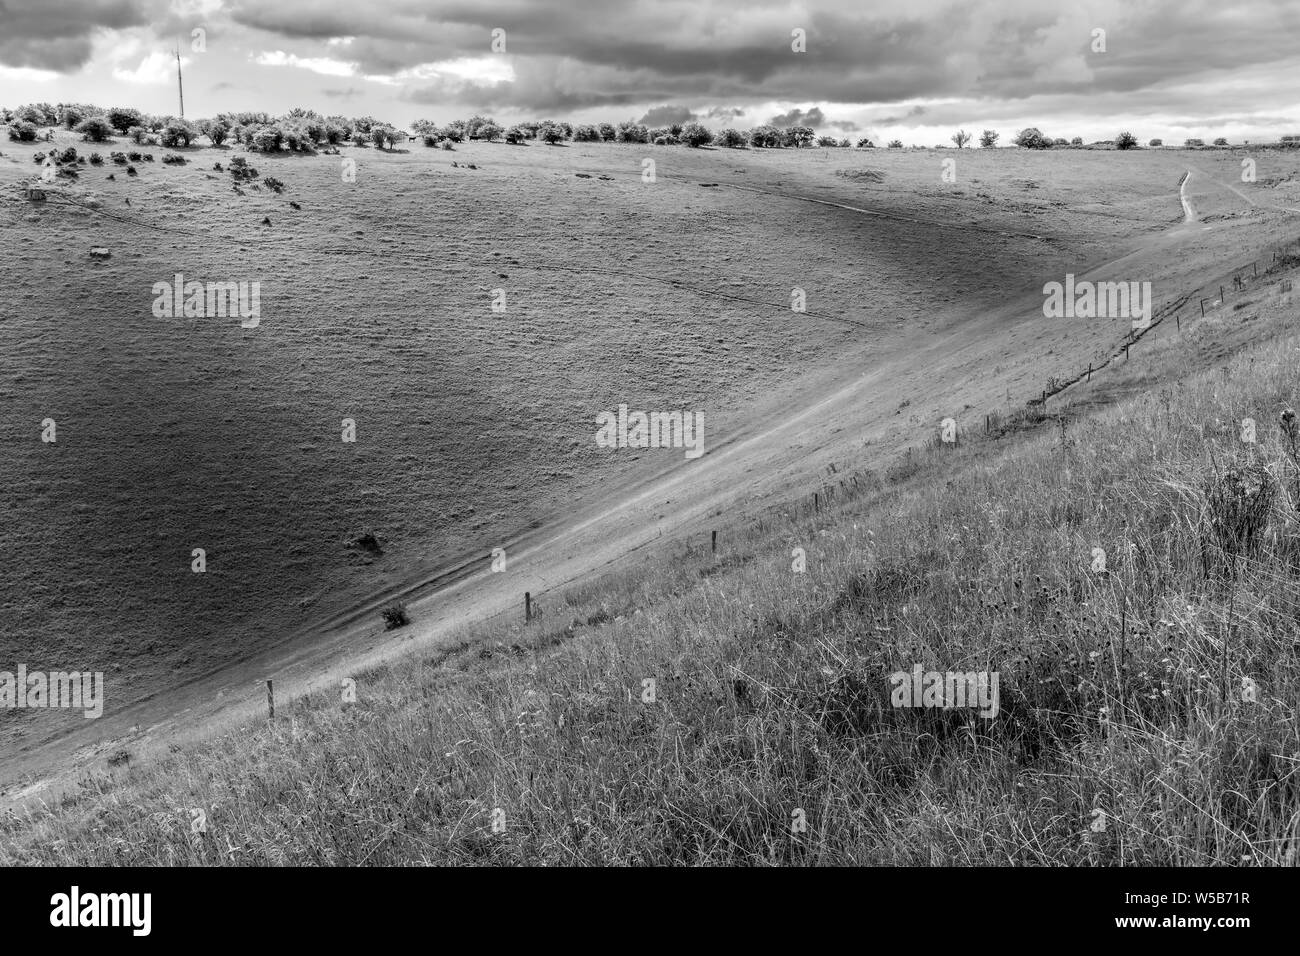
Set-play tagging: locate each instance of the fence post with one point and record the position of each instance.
(1202, 308)
(713, 546)
(270, 699)
(528, 607)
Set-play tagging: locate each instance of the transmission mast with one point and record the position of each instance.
(180, 87)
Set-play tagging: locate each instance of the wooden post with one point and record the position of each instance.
(1125, 351)
(1202, 308)
(1179, 320)
(817, 503)
(1222, 297)
(270, 699)
(713, 544)
(528, 607)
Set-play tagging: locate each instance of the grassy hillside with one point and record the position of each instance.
(1121, 691)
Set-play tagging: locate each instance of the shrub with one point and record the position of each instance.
(130, 171)
(1194, 142)
(22, 132)
(96, 159)
(70, 117)
(38, 158)
(395, 616)
(298, 139)
(608, 132)
(273, 184)
(69, 155)
(177, 133)
(550, 133)
(1126, 140)
(267, 139)
(730, 139)
(1077, 141)
(989, 138)
(798, 137)
(1031, 138)
(1220, 141)
(895, 144)
(633, 133)
(865, 143)
(1156, 142)
(217, 133)
(96, 129)
(586, 134)
(695, 135)
(136, 134)
(119, 158)
(384, 137)
(134, 156)
(173, 159)
(490, 132)
(516, 134)
(147, 157)
(122, 118)
(446, 144)
(1060, 141)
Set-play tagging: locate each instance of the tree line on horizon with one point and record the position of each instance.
(305, 130)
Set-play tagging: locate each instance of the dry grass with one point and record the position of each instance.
(1121, 691)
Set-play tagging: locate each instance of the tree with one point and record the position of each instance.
(22, 131)
(695, 135)
(1077, 141)
(122, 118)
(490, 132)
(1156, 142)
(384, 137)
(550, 133)
(473, 124)
(799, 137)
(1220, 142)
(895, 144)
(217, 132)
(866, 143)
(516, 135)
(176, 133)
(96, 129)
(1192, 143)
(961, 138)
(1031, 138)
(989, 138)
(1126, 140)
(71, 117)
(608, 132)
(630, 132)
(765, 137)
(586, 134)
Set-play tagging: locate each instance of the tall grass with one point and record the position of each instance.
(1148, 710)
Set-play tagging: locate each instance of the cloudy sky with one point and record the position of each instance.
(911, 69)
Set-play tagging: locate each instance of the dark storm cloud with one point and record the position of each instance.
(580, 54)
(666, 116)
(813, 117)
(56, 34)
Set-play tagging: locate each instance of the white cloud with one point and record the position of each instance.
(454, 74)
(155, 69)
(316, 64)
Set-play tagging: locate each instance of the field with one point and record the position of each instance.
(475, 430)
